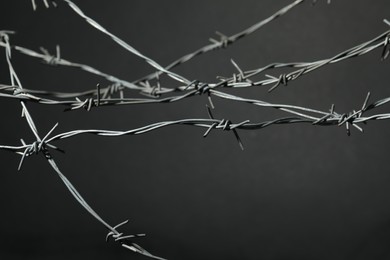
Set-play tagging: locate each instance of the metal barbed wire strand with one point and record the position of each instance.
(295, 110)
(201, 88)
(41, 145)
(330, 118)
(90, 102)
(305, 67)
(240, 80)
(124, 240)
(47, 58)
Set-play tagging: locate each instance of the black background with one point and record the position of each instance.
(295, 192)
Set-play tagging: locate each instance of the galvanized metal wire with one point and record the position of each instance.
(150, 85)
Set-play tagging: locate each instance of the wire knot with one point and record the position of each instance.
(225, 125)
(18, 91)
(4, 36)
(223, 42)
(38, 146)
(323, 120)
(87, 104)
(386, 51)
(34, 148)
(201, 88)
(240, 76)
(112, 89)
(349, 118)
(51, 59)
(282, 80)
(151, 91)
(120, 236)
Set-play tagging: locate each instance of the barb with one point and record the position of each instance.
(281, 80)
(386, 51)
(226, 125)
(38, 147)
(240, 77)
(49, 59)
(87, 104)
(151, 91)
(46, 2)
(119, 236)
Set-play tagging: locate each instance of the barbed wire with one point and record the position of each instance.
(322, 118)
(104, 96)
(41, 145)
(89, 102)
(242, 79)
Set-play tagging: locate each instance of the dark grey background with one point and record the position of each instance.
(296, 192)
